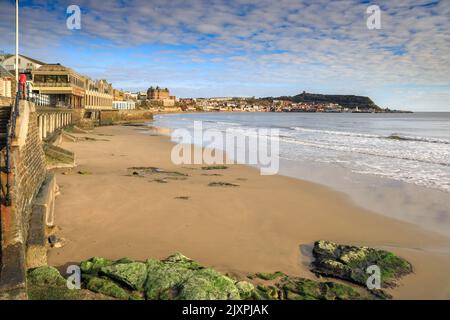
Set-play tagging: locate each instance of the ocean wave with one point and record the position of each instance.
(380, 152)
(393, 136)
(400, 137)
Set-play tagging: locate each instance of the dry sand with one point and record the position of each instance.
(267, 223)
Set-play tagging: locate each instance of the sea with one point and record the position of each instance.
(395, 163)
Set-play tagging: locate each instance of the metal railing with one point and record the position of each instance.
(10, 135)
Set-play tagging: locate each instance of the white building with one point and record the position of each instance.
(124, 105)
(26, 64)
(6, 83)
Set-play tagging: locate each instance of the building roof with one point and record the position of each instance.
(22, 56)
(5, 73)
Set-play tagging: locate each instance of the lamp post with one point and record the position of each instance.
(17, 42)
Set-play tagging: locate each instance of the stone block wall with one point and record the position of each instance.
(30, 169)
(28, 173)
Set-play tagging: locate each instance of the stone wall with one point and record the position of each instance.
(108, 117)
(28, 173)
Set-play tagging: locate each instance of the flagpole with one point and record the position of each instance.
(17, 42)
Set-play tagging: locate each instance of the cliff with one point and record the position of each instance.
(347, 101)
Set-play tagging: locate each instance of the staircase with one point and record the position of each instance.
(5, 113)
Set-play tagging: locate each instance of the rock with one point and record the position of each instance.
(132, 274)
(107, 287)
(45, 276)
(93, 265)
(270, 276)
(182, 260)
(245, 289)
(52, 239)
(124, 260)
(266, 293)
(350, 263)
(208, 284)
(305, 289)
(55, 241)
(180, 278)
(163, 279)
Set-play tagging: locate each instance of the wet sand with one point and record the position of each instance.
(266, 223)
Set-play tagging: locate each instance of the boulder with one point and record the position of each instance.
(93, 265)
(350, 263)
(245, 289)
(181, 278)
(270, 276)
(305, 289)
(45, 276)
(107, 287)
(208, 284)
(164, 278)
(132, 274)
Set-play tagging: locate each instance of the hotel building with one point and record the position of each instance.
(161, 95)
(65, 87)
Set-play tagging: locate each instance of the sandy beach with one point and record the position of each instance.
(261, 224)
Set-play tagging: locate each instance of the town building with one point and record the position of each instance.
(141, 96)
(7, 87)
(65, 87)
(7, 83)
(124, 105)
(99, 95)
(161, 95)
(26, 64)
(119, 95)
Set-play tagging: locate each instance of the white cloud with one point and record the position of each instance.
(265, 42)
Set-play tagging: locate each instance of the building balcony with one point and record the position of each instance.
(53, 84)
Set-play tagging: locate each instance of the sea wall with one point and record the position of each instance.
(28, 172)
(109, 117)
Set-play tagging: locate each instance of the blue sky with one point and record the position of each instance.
(203, 48)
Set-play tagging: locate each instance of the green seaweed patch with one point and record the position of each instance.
(154, 170)
(270, 276)
(45, 276)
(222, 184)
(351, 263)
(293, 288)
(131, 274)
(94, 264)
(84, 173)
(107, 287)
(218, 167)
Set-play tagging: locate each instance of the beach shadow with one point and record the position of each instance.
(306, 254)
(63, 268)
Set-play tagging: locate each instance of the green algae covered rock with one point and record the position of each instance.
(107, 287)
(270, 276)
(93, 265)
(132, 274)
(182, 261)
(293, 288)
(181, 278)
(245, 289)
(208, 284)
(45, 276)
(263, 292)
(350, 263)
(164, 278)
